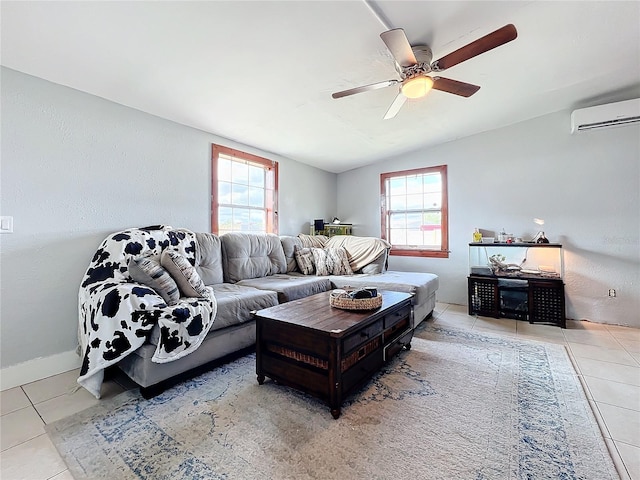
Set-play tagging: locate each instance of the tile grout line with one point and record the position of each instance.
(600, 420)
(25, 441)
(604, 430)
(614, 381)
(33, 405)
(55, 449)
(618, 406)
(610, 445)
(626, 443)
(615, 464)
(569, 344)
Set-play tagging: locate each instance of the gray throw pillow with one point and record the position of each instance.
(149, 272)
(289, 244)
(209, 258)
(185, 274)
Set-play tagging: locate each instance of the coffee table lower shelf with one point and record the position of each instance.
(327, 352)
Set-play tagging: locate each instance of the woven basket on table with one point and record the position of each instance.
(343, 301)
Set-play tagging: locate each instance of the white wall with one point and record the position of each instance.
(75, 168)
(584, 186)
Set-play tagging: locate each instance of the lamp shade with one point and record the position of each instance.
(416, 87)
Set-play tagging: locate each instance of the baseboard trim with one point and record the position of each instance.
(38, 368)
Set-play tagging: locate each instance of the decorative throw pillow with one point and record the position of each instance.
(304, 259)
(331, 261)
(149, 272)
(185, 274)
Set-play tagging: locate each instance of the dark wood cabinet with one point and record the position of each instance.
(517, 280)
(328, 352)
(535, 300)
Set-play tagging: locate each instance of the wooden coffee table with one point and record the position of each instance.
(328, 352)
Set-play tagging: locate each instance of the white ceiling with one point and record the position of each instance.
(262, 73)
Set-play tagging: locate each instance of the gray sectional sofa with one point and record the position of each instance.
(244, 273)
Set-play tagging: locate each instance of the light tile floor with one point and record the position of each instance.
(607, 359)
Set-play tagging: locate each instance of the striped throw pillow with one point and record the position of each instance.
(304, 259)
(189, 281)
(149, 272)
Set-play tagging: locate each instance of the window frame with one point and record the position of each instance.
(443, 252)
(271, 185)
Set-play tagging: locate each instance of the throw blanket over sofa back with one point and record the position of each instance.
(362, 251)
(117, 314)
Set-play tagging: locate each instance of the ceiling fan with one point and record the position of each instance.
(414, 64)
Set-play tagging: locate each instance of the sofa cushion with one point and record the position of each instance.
(422, 285)
(251, 255)
(289, 244)
(331, 261)
(149, 272)
(304, 260)
(185, 275)
(290, 286)
(235, 304)
(209, 258)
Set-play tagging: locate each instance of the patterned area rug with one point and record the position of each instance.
(458, 405)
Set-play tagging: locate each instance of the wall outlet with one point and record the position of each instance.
(612, 292)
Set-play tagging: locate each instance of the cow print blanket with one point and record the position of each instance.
(116, 315)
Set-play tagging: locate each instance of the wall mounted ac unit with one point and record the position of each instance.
(608, 115)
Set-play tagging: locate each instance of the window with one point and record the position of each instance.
(244, 192)
(415, 212)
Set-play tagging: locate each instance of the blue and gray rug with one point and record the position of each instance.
(458, 405)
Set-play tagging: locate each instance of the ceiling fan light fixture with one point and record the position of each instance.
(416, 87)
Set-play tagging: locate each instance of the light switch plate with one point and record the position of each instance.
(6, 224)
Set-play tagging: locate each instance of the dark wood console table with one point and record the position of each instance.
(517, 280)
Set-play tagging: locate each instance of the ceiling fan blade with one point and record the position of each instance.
(365, 88)
(473, 49)
(454, 86)
(395, 106)
(397, 43)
